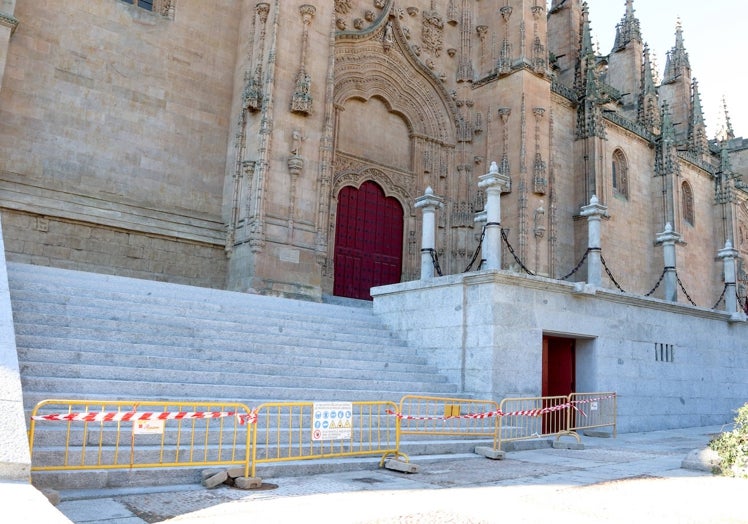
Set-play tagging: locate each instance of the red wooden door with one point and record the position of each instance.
(368, 241)
(558, 377)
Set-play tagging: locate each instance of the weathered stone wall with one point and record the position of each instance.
(50, 241)
(485, 331)
(117, 118)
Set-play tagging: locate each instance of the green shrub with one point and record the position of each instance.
(732, 446)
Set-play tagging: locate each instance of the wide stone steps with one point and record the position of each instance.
(87, 336)
(215, 360)
(90, 336)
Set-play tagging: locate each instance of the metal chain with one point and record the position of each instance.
(684, 289)
(516, 258)
(584, 257)
(434, 260)
(612, 279)
(477, 250)
(724, 290)
(658, 283)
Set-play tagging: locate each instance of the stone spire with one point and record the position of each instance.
(678, 64)
(648, 108)
(589, 114)
(724, 125)
(676, 87)
(628, 29)
(697, 139)
(564, 31)
(625, 62)
(665, 160)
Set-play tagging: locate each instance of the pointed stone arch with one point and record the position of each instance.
(366, 69)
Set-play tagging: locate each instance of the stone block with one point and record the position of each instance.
(247, 482)
(704, 459)
(235, 472)
(215, 480)
(399, 465)
(488, 452)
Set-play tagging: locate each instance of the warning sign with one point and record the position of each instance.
(332, 421)
(148, 427)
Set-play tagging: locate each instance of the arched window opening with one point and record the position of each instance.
(620, 174)
(687, 203)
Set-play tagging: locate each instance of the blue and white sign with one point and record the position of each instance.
(332, 421)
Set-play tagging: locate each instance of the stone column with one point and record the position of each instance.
(480, 220)
(594, 213)
(668, 238)
(428, 203)
(494, 183)
(728, 256)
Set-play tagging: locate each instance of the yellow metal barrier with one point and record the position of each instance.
(421, 415)
(106, 434)
(287, 431)
(531, 417)
(102, 434)
(593, 410)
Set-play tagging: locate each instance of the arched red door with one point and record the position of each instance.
(368, 241)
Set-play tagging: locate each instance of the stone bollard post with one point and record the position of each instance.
(668, 238)
(594, 213)
(428, 203)
(728, 256)
(494, 183)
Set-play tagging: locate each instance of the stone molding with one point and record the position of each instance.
(9, 21)
(24, 197)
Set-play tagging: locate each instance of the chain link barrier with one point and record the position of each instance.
(724, 290)
(516, 258)
(434, 260)
(662, 276)
(578, 266)
(478, 250)
(683, 288)
(610, 275)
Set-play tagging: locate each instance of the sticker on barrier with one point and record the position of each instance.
(332, 421)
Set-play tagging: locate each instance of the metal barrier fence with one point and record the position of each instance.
(287, 431)
(593, 410)
(102, 434)
(107, 434)
(533, 417)
(421, 415)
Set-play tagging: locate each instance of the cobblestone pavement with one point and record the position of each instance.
(635, 477)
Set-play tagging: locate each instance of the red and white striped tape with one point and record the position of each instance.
(499, 413)
(132, 416)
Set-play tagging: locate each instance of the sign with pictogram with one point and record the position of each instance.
(148, 427)
(332, 421)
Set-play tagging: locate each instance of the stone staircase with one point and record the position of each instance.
(91, 336)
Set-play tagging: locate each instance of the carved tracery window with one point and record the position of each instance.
(620, 175)
(687, 203)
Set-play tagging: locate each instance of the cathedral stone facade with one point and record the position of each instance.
(278, 147)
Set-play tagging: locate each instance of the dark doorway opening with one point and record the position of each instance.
(559, 378)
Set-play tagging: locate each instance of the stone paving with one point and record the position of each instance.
(636, 477)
